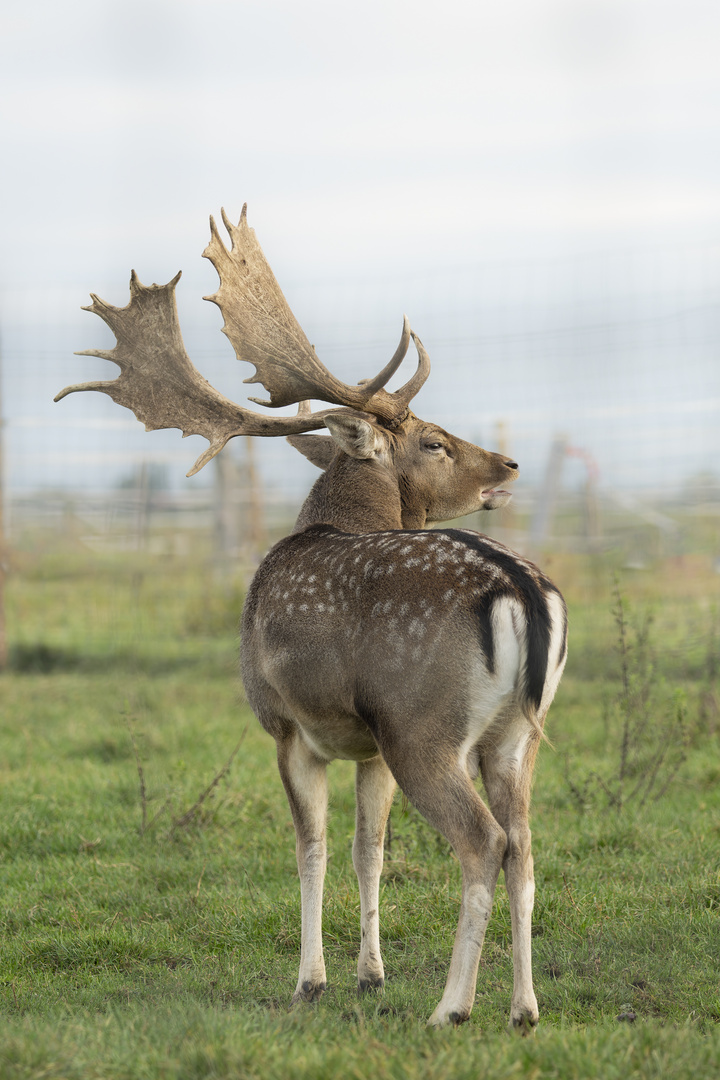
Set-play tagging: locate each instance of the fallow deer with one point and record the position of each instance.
(425, 656)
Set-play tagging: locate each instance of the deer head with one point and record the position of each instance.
(407, 476)
(434, 476)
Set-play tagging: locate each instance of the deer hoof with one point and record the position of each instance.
(451, 1019)
(523, 1024)
(308, 992)
(376, 982)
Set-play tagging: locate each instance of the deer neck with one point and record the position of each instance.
(355, 496)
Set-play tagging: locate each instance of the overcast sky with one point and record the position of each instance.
(383, 131)
(371, 140)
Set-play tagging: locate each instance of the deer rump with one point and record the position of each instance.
(399, 639)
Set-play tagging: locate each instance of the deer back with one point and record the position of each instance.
(359, 635)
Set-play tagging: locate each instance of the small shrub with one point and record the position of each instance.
(646, 724)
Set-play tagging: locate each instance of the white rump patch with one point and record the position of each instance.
(556, 662)
(489, 691)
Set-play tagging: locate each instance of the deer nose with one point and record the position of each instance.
(512, 465)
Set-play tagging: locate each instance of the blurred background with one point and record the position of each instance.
(535, 183)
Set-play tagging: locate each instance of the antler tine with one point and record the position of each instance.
(228, 223)
(392, 406)
(406, 393)
(159, 383)
(371, 386)
(265, 333)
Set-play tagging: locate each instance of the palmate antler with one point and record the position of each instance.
(162, 387)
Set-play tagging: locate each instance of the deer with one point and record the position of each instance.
(427, 656)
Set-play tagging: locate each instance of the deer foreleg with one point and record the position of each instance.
(374, 787)
(305, 780)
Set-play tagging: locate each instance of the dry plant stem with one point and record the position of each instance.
(652, 736)
(181, 822)
(679, 727)
(202, 875)
(619, 613)
(141, 777)
(187, 817)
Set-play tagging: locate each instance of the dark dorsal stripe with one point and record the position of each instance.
(516, 581)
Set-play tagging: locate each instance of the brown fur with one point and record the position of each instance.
(424, 656)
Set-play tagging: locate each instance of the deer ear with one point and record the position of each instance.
(319, 449)
(356, 437)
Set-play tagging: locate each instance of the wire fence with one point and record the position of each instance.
(599, 373)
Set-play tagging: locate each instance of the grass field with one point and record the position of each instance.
(148, 931)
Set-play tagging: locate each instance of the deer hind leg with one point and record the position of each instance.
(507, 769)
(374, 787)
(447, 798)
(304, 776)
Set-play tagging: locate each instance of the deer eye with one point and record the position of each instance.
(434, 446)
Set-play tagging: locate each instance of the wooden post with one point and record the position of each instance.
(546, 502)
(225, 515)
(256, 524)
(142, 507)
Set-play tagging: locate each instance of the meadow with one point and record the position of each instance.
(149, 909)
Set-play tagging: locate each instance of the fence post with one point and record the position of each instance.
(547, 496)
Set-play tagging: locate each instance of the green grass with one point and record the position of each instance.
(172, 950)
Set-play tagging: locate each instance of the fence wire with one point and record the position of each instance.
(599, 373)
